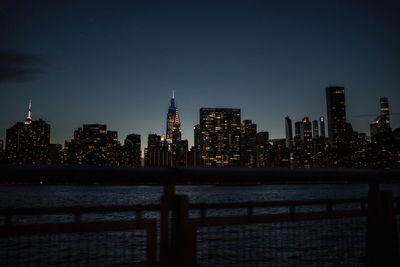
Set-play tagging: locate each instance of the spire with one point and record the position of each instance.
(172, 106)
(30, 110)
(29, 117)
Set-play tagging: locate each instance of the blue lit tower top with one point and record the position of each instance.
(172, 107)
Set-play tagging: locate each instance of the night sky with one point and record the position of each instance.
(117, 62)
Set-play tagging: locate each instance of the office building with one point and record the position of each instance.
(248, 143)
(322, 126)
(382, 123)
(289, 131)
(336, 110)
(197, 136)
(305, 132)
(93, 145)
(132, 149)
(262, 149)
(220, 141)
(315, 129)
(28, 142)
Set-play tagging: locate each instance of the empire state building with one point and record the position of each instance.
(173, 129)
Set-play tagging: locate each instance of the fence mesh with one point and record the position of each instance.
(330, 242)
(86, 249)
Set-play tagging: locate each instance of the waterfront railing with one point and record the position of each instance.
(361, 231)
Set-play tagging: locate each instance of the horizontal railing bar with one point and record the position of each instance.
(90, 175)
(73, 210)
(285, 203)
(87, 227)
(306, 216)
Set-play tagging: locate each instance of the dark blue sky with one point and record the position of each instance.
(117, 62)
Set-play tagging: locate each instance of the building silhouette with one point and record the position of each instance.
(382, 123)
(197, 136)
(132, 150)
(305, 133)
(173, 130)
(322, 127)
(157, 154)
(315, 129)
(28, 142)
(248, 143)
(93, 145)
(289, 132)
(262, 149)
(336, 110)
(220, 136)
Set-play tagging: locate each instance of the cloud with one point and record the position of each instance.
(19, 68)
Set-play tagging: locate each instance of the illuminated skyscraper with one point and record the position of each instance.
(315, 129)
(305, 132)
(220, 136)
(262, 149)
(248, 143)
(93, 145)
(382, 123)
(28, 142)
(289, 131)
(336, 110)
(322, 126)
(171, 120)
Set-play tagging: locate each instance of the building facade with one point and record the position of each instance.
(336, 111)
(289, 132)
(220, 141)
(28, 142)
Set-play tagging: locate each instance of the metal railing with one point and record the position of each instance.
(179, 235)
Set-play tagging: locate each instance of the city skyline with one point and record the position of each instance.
(118, 64)
(189, 136)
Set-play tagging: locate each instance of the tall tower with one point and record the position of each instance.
(171, 116)
(336, 111)
(322, 126)
(382, 123)
(315, 129)
(385, 109)
(305, 132)
(289, 131)
(29, 117)
(248, 143)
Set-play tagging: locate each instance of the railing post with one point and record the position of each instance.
(165, 207)
(183, 234)
(382, 248)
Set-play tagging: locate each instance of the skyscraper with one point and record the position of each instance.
(384, 103)
(28, 142)
(322, 126)
(289, 131)
(132, 149)
(262, 149)
(93, 145)
(248, 143)
(382, 123)
(305, 132)
(197, 136)
(220, 136)
(173, 122)
(315, 129)
(336, 111)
